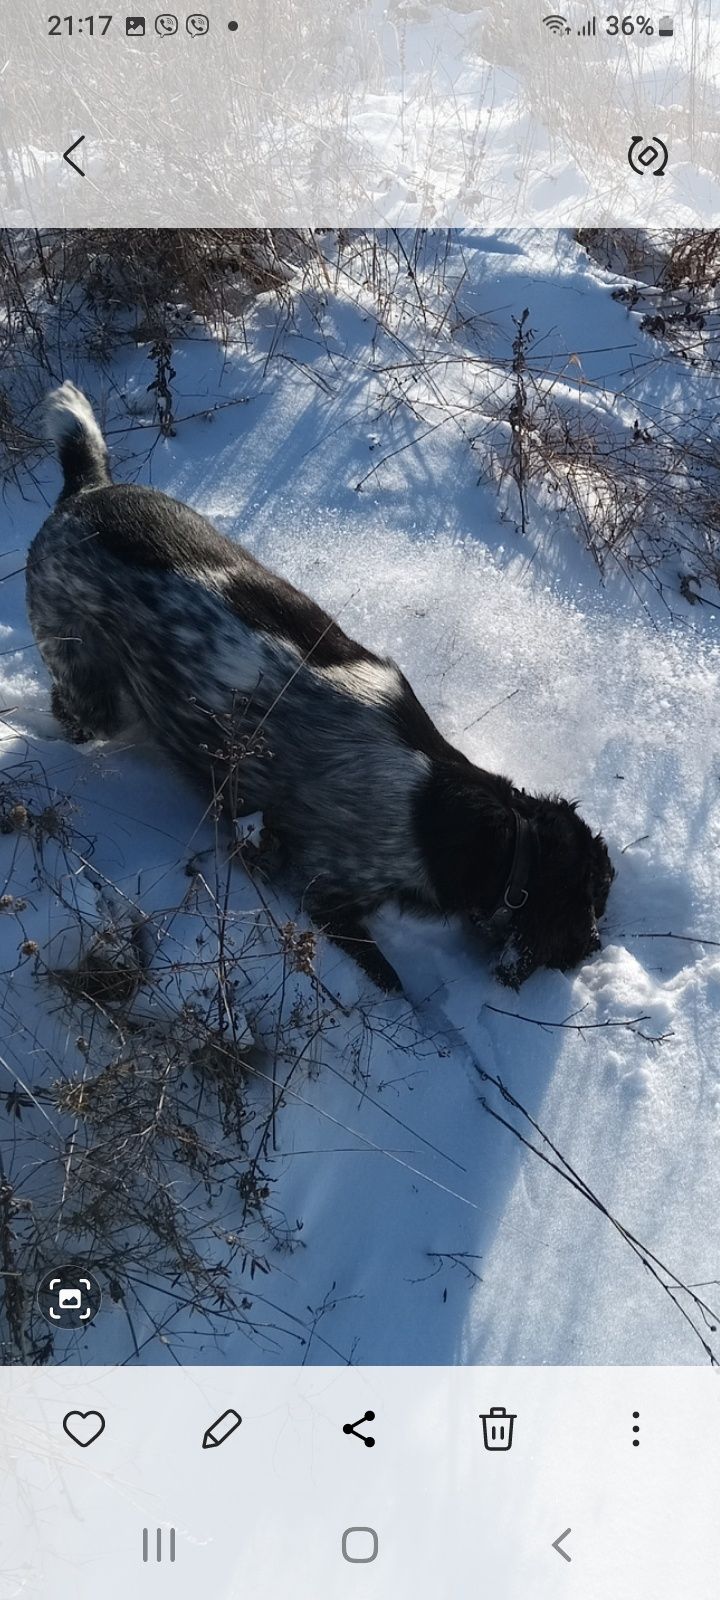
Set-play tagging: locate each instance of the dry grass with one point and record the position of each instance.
(638, 498)
(147, 1065)
(155, 1110)
(79, 294)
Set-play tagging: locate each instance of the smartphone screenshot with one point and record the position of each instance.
(359, 801)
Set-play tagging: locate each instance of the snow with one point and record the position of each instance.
(411, 1226)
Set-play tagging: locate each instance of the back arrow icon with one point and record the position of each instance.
(560, 1540)
(68, 153)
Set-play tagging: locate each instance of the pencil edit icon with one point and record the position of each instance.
(221, 1429)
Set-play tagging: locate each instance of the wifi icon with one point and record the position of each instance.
(556, 24)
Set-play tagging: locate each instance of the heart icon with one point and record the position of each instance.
(83, 1427)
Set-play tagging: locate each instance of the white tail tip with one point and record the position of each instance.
(66, 413)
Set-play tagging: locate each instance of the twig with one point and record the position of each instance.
(631, 1023)
(650, 1261)
(457, 1258)
(494, 707)
(685, 938)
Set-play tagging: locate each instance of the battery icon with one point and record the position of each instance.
(666, 27)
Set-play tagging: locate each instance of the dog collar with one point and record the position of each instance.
(515, 894)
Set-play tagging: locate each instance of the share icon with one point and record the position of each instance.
(352, 1427)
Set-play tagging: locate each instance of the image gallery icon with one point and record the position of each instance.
(135, 27)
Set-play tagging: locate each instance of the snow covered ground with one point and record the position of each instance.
(412, 1226)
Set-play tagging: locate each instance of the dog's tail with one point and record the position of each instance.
(71, 426)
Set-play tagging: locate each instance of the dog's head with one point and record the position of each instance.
(569, 878)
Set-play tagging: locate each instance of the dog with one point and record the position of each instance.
(144, 613)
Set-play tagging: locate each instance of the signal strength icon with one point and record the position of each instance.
(556, 24)
(588, 30)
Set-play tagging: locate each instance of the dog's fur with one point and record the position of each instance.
(144, 612)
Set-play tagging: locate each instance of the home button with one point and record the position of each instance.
(360, 1546)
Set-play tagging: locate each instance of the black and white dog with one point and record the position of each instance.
(144, 612)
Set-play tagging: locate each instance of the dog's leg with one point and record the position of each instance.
(86, 712)
(347, 930)
(63, 713)
(84, 700)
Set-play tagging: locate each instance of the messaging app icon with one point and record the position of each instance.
(166, 25)
(197, 24)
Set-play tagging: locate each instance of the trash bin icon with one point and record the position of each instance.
(498, 1428)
